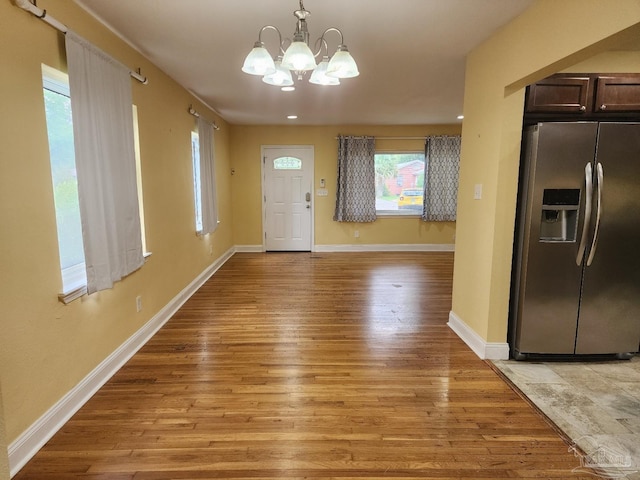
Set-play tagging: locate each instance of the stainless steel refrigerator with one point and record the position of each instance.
(576, 282)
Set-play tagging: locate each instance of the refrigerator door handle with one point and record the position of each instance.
(588, 175)
(596, 230)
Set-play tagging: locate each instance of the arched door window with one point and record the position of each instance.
(287, 163)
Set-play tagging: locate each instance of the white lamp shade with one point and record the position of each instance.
(319, 75)
(280, 78)
(342, 64)
(299, 57)
(259, 62)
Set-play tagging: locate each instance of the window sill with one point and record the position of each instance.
(398, 214)
(77, 291)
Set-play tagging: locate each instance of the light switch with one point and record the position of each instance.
(477, 191)
(322, 192)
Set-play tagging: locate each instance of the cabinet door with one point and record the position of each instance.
(558, 94)
(618, 94)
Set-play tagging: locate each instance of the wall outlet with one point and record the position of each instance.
(138, 303)
(477, 191)
(356, 234)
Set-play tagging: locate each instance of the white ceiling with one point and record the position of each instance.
(410, 53)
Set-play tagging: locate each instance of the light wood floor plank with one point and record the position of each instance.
(317, 366)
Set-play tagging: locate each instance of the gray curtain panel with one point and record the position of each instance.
(356, 190)
(441, 174)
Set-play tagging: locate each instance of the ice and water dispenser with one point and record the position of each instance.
(559, 222)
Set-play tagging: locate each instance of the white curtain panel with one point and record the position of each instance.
(441, 174)
(207, 177)
(101, 106)
(356, 189)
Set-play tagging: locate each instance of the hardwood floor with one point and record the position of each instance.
(299, 365)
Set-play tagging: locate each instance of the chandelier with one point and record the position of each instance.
(299, 58)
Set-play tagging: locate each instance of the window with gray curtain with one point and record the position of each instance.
(356, 189)
(105, 162)
(441, 173)
(208, 204)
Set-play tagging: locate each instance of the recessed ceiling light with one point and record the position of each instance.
(460, 117)
(288, 89)
(292, 117)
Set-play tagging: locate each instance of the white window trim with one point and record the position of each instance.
(77, 286)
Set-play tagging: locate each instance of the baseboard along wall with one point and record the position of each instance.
(33, 439)
(485, 350)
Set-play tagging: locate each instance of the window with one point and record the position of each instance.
(195, 156)
(136, 145)
(57, 104)
(204, 177)
(63, 173)
(287, 163)
(399, 183)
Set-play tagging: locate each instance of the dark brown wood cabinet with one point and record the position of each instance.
(561, 94)
(592, 96)
(617, 93)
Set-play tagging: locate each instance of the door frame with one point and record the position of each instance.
(263, 173)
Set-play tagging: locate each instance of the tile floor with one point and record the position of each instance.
(596, 404)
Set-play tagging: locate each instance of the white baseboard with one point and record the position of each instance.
(485, 350)
(249, 249)
(413, 247)
(31, 440)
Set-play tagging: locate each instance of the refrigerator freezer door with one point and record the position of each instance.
(548, 279)
(609, 320)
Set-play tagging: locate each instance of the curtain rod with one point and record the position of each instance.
(197, 115)
(61, 27)
(386, 138)
(397, 138)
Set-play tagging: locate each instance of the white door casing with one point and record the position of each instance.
(287, 191)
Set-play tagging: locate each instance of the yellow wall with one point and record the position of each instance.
(546, 38)
(4, 456)
(246, 143)
(46, 348)
(617, 61)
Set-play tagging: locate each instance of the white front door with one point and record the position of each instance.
(287, 195)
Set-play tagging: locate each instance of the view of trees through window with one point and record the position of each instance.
(399, 182)
(63, 172)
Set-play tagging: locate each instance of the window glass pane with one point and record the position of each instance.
(63, 172)
(287, 163)
(136, 144)
(195, 155)
(399, 182)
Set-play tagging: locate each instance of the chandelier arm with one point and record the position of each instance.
(271, 27)
(322, 42)
(332, 29)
